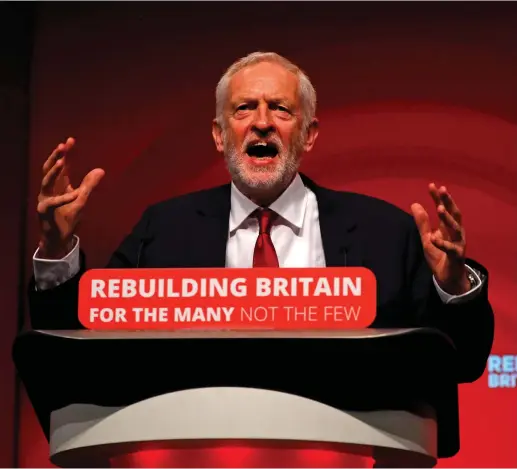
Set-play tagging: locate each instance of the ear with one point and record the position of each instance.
(312, 135)
(217, 134)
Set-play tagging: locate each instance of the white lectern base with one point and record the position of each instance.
(90, 436)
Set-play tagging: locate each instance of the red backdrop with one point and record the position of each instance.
(408, 93)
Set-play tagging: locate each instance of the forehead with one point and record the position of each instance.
(264, 80)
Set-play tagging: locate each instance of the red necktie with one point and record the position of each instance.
(265, 254)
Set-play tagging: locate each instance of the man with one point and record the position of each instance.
(270, 215)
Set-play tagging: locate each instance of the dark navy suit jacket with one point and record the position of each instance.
(357, 230)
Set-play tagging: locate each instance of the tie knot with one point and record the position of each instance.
(266, 217)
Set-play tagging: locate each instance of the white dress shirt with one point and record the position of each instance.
(295, 234)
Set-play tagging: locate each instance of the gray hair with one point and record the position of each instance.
(306, 91)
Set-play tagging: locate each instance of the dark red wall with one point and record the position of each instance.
(15, 50)
(408, 93)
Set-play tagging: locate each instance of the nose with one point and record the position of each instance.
(263, 124)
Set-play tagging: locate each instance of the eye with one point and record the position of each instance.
(279, 107)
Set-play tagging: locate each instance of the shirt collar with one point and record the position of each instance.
(290, 205)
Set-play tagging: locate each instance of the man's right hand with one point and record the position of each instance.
(60, 204)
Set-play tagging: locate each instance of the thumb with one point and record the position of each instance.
(421, 219)
(91, 180)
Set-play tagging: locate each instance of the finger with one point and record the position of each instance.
(421, 219)
(453, 228)
(59, 152)
(436, 195)
(49, 180)
(90, 181)
(433, 191)
(438, 234)
(450, 248)
(52, 203)
(449, 204)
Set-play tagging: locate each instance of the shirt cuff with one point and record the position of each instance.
(50, 273)
(447, 298)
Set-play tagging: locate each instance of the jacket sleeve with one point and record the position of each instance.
(56, 308)
(469, 324)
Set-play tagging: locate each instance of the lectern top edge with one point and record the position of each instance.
(237, 334)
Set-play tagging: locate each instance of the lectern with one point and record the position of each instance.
(102, 397)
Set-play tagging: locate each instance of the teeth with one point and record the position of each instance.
(262, 144)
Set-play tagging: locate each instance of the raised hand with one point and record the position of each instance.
(445, 247)
(60, 204)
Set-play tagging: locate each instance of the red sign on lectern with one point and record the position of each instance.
(234, 299)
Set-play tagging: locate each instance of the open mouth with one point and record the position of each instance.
(262, 150)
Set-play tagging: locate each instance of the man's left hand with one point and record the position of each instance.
(444, 248)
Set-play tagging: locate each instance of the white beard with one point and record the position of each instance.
(262, 177)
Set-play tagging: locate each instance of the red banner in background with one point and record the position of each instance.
(220, 298)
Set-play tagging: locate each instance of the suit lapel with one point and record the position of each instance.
(338, 225)
(214, 215)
